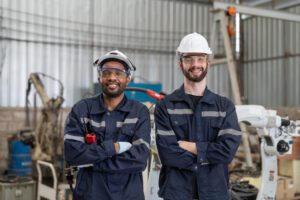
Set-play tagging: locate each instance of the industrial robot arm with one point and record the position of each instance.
(277, 140)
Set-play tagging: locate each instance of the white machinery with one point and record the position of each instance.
(277, 140)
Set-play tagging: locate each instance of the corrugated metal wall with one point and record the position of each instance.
(44, 36)
(62, 38)
(271, 68)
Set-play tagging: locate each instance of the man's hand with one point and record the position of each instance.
(121, 147)
(188, 146)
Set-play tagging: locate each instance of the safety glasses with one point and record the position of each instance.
(106, 72)
(189, 59)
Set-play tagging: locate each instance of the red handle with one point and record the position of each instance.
(154, 95)
(90, 138)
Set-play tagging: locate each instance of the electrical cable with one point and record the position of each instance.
(180, 33)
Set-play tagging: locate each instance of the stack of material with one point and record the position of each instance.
(289, 165)
(285, 189)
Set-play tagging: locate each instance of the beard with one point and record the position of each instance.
(195, 79)
(113, 93)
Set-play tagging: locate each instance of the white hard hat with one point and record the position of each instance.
(115, 55)
(194, 43)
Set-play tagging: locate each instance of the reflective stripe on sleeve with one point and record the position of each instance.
(205, 163)
(161, 132)
(180, 111)
(141, 141)
(72, 137)
(85, 165)
(229, 131)
(213, 114)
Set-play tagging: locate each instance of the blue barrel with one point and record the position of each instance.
(20, 159)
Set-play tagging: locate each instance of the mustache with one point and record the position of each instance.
(194, 67)
(112, 82)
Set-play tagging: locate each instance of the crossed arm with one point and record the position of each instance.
(188, 146)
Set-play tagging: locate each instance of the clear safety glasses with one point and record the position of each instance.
(189, 59)
(106, 72)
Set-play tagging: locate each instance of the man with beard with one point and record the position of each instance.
(197, 132)
(107, 137)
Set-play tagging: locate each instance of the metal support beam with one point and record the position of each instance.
(222, 21)
(256, 2)
(258, 11)
(269, 4)
(218, 61)
(286, 4)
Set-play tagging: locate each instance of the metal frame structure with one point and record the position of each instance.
(220, 17)
(248, 10)
(222, 20)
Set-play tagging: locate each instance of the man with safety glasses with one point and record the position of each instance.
(107, 137)
(197, 131)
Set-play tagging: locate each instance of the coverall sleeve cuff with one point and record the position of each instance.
(201, 152)
(109, 148)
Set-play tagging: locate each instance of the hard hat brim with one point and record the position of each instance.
(184, 51)
(106, 58)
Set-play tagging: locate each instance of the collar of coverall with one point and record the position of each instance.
(179, 94)
(98, 105)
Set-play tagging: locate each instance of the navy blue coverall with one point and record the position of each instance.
(214, 127)
(112, 176)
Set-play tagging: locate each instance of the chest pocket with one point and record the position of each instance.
(126, 132)
(180, 126)
(215, 125)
